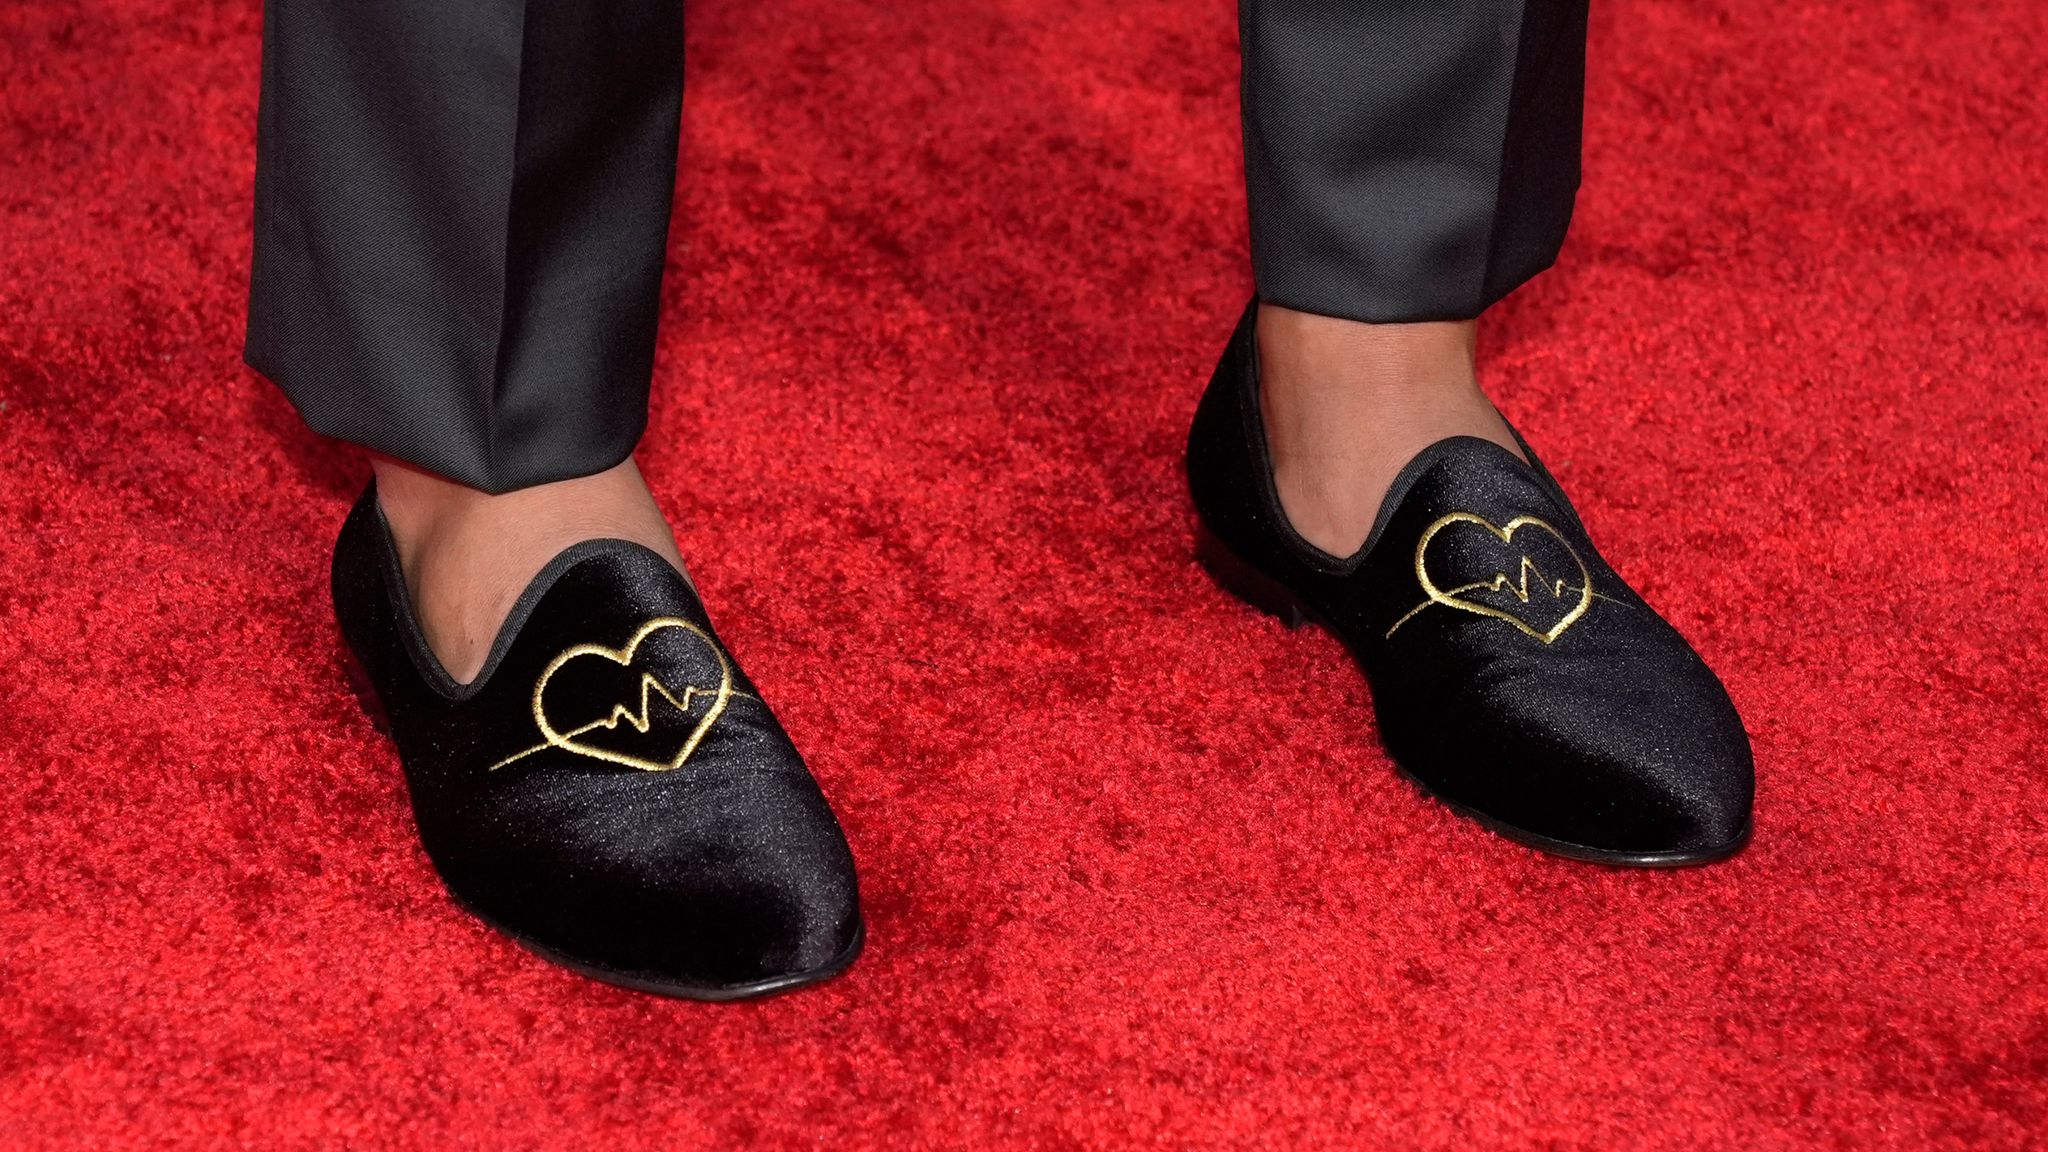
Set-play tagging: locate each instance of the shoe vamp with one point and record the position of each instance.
(643, 808)
(1572, 735)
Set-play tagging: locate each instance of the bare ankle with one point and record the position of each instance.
(1336, 353)
(414, 501)
(1346, 405)
(467, 554)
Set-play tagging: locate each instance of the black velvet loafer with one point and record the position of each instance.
(1513, 673)
(610, 791)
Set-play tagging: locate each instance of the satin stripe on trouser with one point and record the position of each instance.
(462, 205)
(461, 216)
(1409, 159)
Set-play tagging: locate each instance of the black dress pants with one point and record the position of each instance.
(462, 205)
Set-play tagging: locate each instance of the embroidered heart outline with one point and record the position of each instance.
(1506, 535)
(624, 658)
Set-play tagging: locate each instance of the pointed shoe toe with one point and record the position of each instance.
(1671, 787)
(1514, 674)
(610, 791)
(718, 884)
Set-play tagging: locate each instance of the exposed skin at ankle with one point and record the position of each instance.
(467, 555)
(1347, 405)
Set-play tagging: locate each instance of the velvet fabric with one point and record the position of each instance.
(610, 790)
(1514, 673)
(1135, 873)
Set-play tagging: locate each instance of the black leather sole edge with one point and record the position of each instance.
(373, 707)
(1242, 580)
(677, 989)
(1681, 859)
(1247, 583)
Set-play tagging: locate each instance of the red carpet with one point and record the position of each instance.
(945, 281)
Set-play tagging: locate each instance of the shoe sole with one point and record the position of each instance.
(1239, 578)
(673, 989)
(373, 707)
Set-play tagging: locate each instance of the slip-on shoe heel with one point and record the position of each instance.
(365, 692)
(1246, 582)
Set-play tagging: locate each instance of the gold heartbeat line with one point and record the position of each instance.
(1519, 588)
(640, 720)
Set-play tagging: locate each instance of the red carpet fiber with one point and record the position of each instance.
(945, 281)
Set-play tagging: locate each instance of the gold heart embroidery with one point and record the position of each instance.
(640, 719)
(1518, 587)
